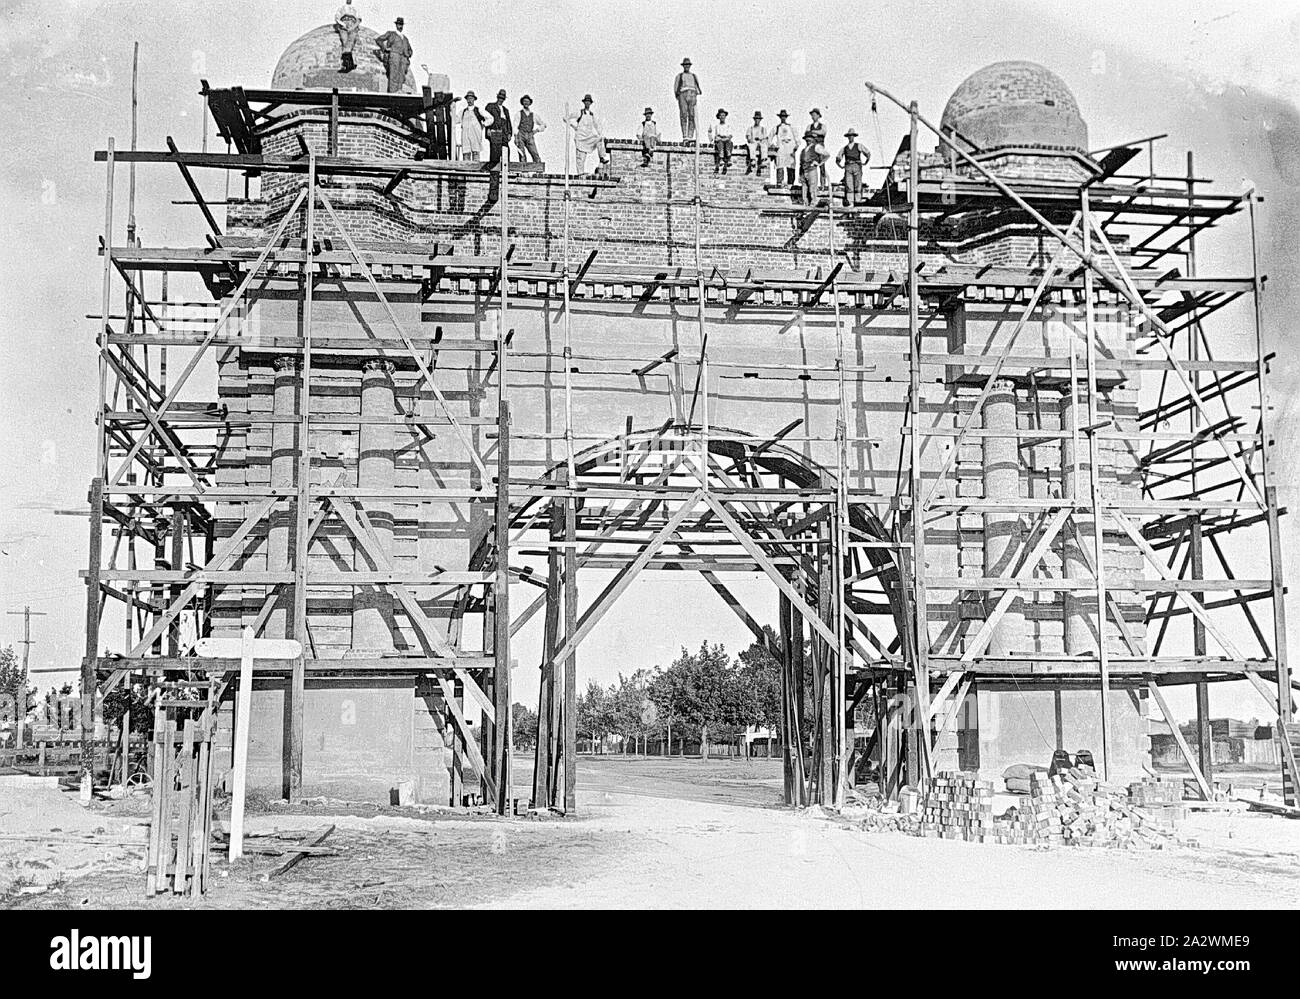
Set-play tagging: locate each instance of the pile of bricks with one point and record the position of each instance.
(1074, 808)
(1071, 808)
(958, 806)
(1156, 792)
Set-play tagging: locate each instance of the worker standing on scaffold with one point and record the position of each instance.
(721, 136)
(812, 160)
(530, 125)
(756, 139)
(786, 142)
(396, 50)
(649, 136)
(687, 90)
(818, 129)
(854, 158)
(588, 136)
(347, 22)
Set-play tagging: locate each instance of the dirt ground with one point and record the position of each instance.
(649, 833)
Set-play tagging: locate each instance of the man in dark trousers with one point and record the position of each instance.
(854, 158)
(499, 129)
(396, 50)
(687, 90)
(812, 160)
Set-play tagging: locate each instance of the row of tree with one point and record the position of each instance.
(701, 697)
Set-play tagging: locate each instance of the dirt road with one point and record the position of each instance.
(685, 833)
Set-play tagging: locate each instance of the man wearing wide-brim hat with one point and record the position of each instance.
(854, 158)
(721, 135)
(649, 136)
(812, 161)
(687, 90)
(785, 142)
(588, 136)
(756, 138)
(818, 128)
(395, 50)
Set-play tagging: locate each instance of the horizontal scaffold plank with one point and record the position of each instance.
(393, 664)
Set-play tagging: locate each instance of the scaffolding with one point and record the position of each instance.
(856, 598)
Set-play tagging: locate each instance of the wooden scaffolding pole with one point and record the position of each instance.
(302, 509)
(920, 665)
(1094, 485)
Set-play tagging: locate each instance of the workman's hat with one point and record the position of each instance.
(758, 115)
(850, 134)
(816, 111)
(525, 99)
(587, 99)
(686, 62)
(649, 110)
(469, 94)
(722, 112)
(400, 22)
(783, 113)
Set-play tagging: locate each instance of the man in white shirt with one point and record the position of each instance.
(530, 125)
(853, 158)
(347, 22)
(588, 136)
(649, 136)
(721, 136)
(756, 139)
(687, 90)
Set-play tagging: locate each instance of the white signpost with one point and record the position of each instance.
(245, 649)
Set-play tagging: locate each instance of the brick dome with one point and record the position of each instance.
(313, 61)
(1016, 104)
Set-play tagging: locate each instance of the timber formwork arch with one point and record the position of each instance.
(708, 501)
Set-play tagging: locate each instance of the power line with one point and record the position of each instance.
(27, 641)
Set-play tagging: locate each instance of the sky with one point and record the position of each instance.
(1219, 77)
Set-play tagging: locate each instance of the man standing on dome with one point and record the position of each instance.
(347, 22)
(397, 52)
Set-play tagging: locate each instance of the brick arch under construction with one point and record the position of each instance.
(1016, 382)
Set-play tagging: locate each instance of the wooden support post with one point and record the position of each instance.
(1206, 792)
(787, 693)
(550, 741)
(570, 663)
(1094, 486)
(501, 603)
(302, 539)
(920, 601)
(90, 660)
(243, 714)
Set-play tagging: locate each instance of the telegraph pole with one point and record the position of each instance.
(21, 694)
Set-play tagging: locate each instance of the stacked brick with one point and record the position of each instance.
(1156, 792)
(1069, 809)
(958, 806)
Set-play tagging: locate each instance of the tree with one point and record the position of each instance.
(596, 713)
(133, 699)
(16, 693)
(760, 675)
(523, 722)
(704, 693)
